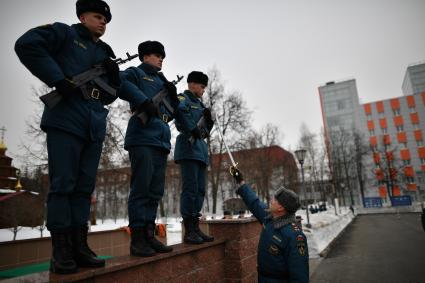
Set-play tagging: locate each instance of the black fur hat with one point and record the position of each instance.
(197, 77)
(96, 6)
(288, 199)
(151, 47)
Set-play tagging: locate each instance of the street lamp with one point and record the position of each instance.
(300, 154)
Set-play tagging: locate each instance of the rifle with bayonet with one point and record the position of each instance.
(157, 100)
(52, 98)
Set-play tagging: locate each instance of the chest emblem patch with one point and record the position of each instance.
(79, 44)
(273, 249)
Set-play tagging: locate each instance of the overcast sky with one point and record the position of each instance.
(276, 53)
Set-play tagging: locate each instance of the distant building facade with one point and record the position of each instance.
(268, 167)
(394, 130)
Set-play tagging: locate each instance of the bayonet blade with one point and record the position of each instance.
(234, 164)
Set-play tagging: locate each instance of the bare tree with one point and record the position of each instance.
(387, 166)
(233, 115)
(308, 141)
(360, 150)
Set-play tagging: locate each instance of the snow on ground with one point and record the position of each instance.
(325, 227)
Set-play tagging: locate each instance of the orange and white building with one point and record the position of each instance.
(396, 124)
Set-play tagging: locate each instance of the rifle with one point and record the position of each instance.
(159, 98)
(52, 98)
(203, 127)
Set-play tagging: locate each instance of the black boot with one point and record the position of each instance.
(139, 245)
(205, 237)
(153, 242)
(83, 255)
(62, 261)
(190, 235)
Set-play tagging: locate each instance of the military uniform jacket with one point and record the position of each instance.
(144, 82)
(190, 110)
(57, 51)
(282, 249)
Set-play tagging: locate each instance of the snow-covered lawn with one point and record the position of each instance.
(325, 227)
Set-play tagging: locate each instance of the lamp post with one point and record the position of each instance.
(300, 154)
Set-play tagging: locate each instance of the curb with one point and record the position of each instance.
(326, 250)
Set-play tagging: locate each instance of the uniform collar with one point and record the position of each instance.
(149, 69)
(191, 95)
(281, 221)
(85, 33)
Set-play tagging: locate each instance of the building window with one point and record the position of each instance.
(403, 144)
(415, 127)
(396, 112)
(412, 110)
(368, 116)
(372, 132)
(423, 161)
(419, 143)
(410, 180)
(384, 131)
(406, 162)
(399, 128)
(381, 115)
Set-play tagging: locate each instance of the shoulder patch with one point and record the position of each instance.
(300, 238)
(301, 245)
(301, 248)
(181, 97)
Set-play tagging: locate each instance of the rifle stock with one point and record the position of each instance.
(52, 98)
(157, 100)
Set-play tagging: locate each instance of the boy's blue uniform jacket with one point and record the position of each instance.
(57, 51)
(143, 83)
(190, 110)
(282, 249)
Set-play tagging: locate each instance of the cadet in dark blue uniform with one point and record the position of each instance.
(282, 249)
(148, 146)
(75, 127)
(191, 153)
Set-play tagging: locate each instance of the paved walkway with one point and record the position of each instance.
(377, 248)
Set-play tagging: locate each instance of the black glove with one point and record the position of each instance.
(208, 118)
(236, 174)
(172, 93)
(66, 88)
(149, 108)
(112, 71)
(196, 133)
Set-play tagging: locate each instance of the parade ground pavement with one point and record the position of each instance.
(376, 248)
